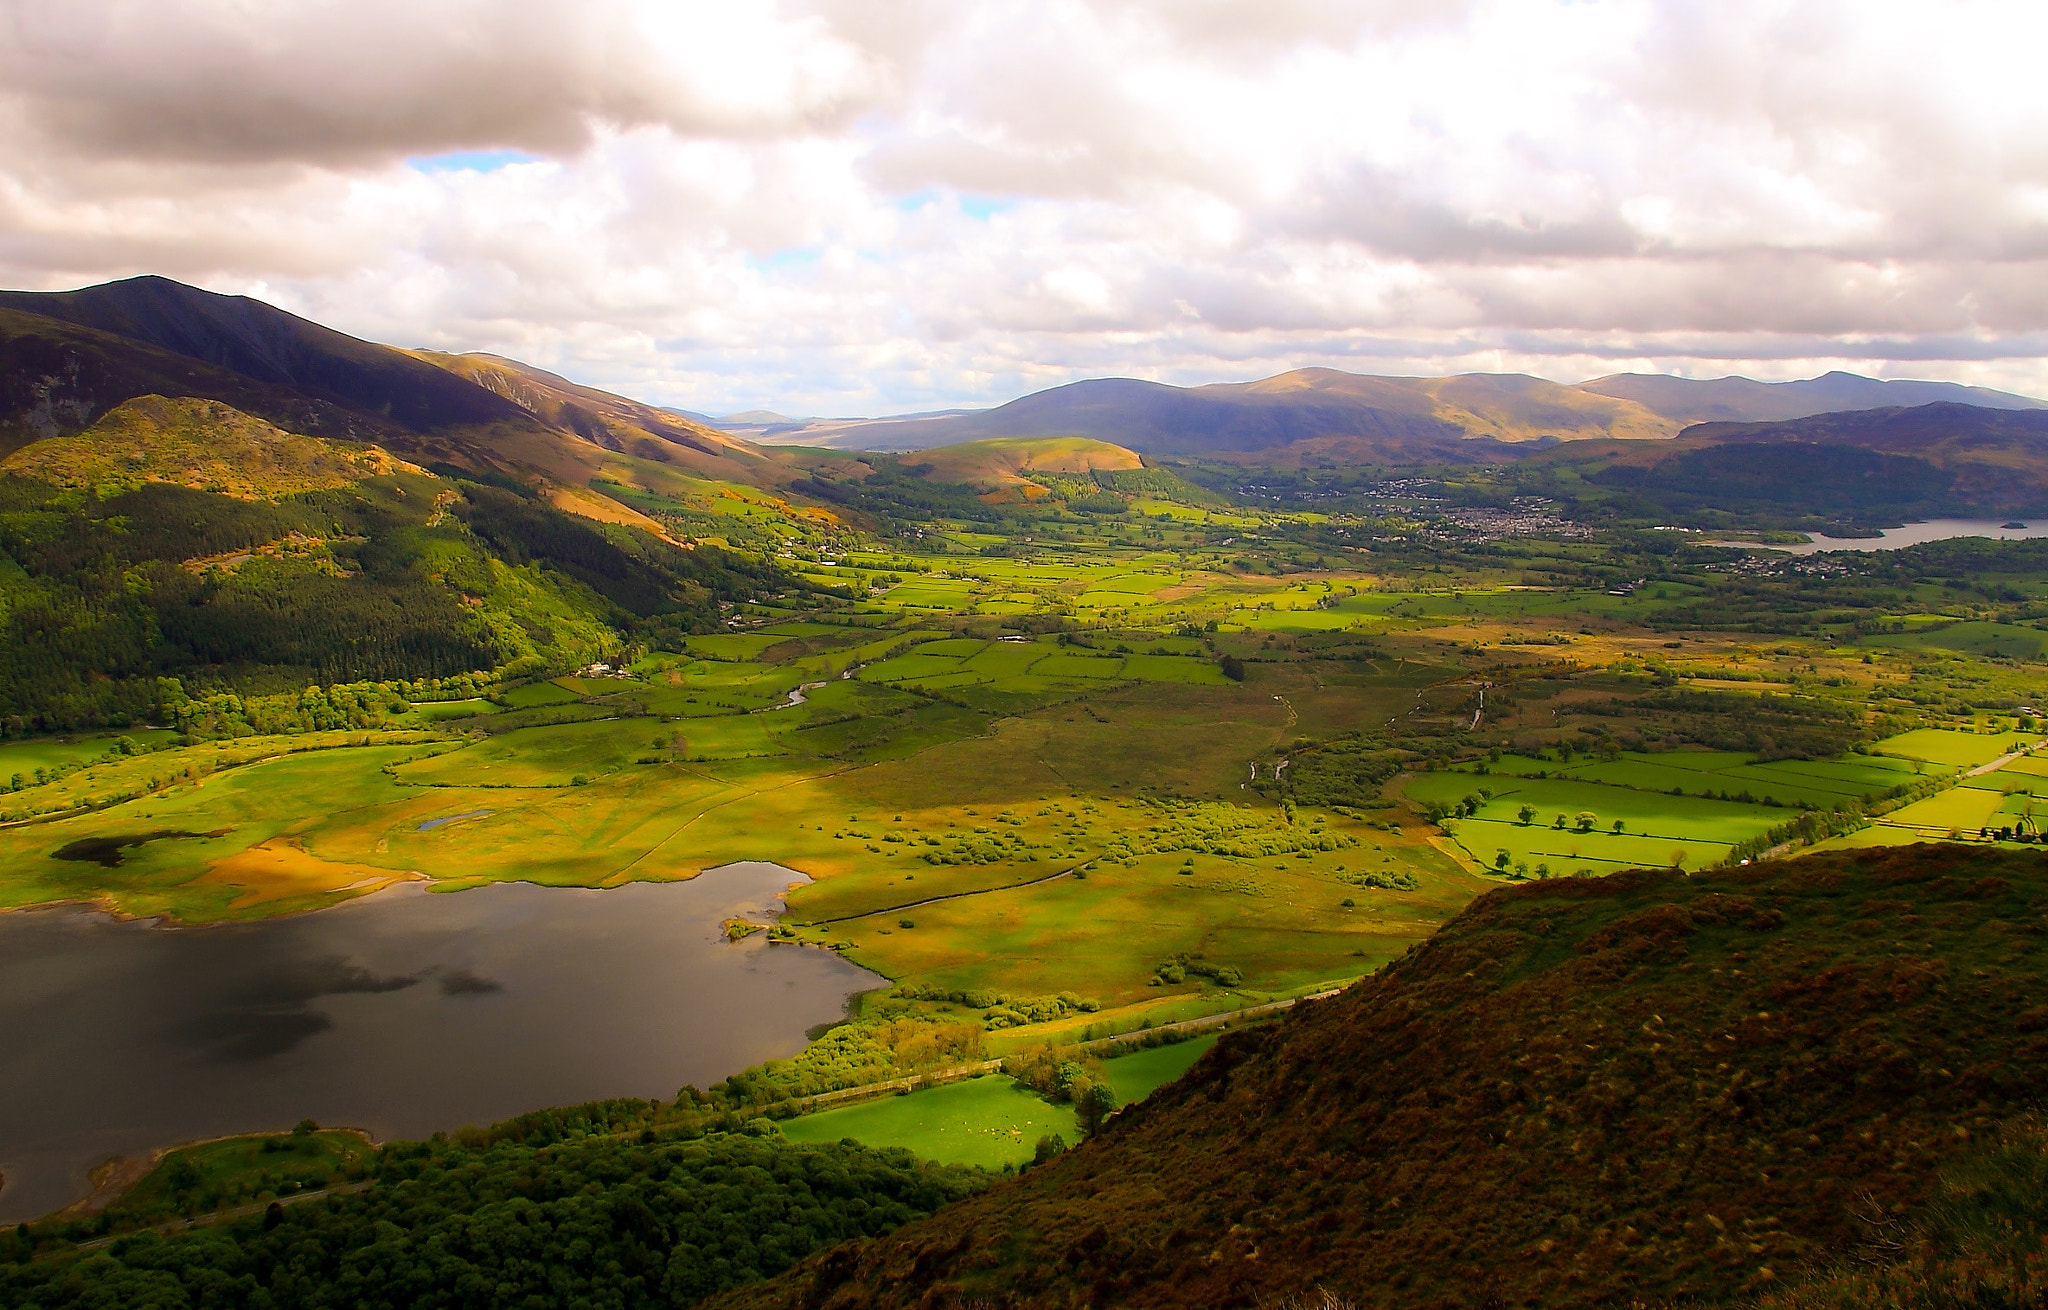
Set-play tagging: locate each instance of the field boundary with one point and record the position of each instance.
(956, 1073)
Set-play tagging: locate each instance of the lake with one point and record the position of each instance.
(402, 1013)
(1913, 534)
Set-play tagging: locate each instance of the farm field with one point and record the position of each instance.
(990, 1121)
(1572, 829)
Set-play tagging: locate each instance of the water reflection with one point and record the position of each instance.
(404, 1012)
(1912, 534)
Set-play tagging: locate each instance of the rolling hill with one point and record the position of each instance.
(1648, 1088)
(1348, 417)
(1004, 462)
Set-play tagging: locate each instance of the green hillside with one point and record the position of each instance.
(120, 601)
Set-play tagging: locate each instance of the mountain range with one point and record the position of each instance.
(69, 358)
(1355, 417)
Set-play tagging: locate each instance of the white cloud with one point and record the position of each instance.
(846, 207)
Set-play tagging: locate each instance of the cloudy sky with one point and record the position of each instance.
(867, 206)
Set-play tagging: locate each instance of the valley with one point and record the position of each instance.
(1061, 742)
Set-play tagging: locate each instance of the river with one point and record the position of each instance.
(401, 1013)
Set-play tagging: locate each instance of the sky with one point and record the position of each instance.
(855, 207)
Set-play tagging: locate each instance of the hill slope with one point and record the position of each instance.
(614, 422)
(1624, 1089)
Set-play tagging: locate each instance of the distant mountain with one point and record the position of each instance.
(1652, 1088)
(68, 358)
(1362, 418)
(1741, 400)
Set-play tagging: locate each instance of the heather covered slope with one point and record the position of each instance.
(1648, 1086)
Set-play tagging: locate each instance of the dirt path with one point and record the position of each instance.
(2000, 762)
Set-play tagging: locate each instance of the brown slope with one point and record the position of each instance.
(615, 422)
(1579, 1092)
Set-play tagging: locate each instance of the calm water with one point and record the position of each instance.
(403, 1013)
(1913, 534)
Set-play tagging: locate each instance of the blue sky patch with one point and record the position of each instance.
(470, 161)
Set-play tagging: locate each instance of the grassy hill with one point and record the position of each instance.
(1005, 462)
(1642, 1088)
(206, 445)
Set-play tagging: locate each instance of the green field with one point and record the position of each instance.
(1956, 750)
(25, 757)
(989, 1121)
(1657, 829)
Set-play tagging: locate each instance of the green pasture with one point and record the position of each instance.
(1136, 1076)
(1976, 637)
(989, 1121)
(1820, 783)
(1281, 921)
(740, 646)
(1953, 748)
(434, 711)
(1005, 659)
(916, 664)
(1070, 665)
(538, 693)
(553, 756)
(1657, 829)
(1173, 668)
(192, 828)
(25, 757)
